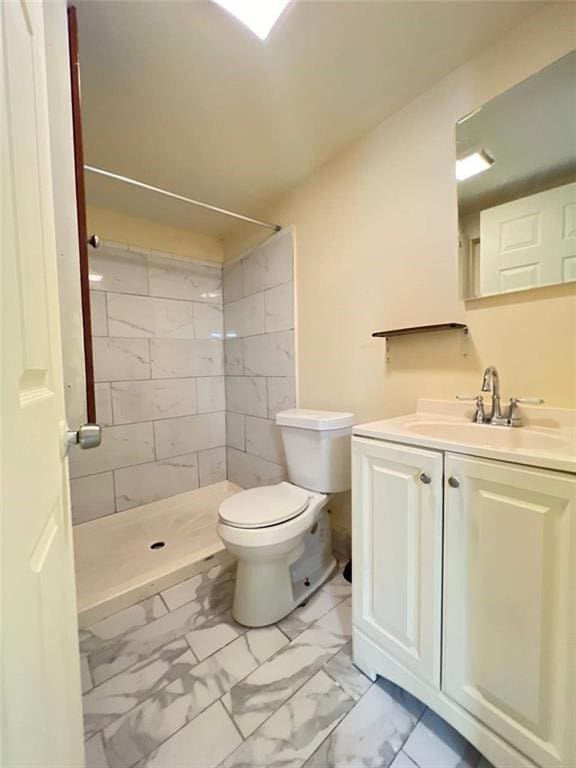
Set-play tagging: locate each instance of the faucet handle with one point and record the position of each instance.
(479, 414)
(513, 419)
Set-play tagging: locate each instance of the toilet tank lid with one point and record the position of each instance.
(306, 418)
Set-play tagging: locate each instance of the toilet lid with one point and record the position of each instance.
(262, 507)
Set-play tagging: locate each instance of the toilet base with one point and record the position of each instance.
(268, 590)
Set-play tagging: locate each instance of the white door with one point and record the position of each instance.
(40, 675)
(397, 540)
(529, 242)
(510, 604)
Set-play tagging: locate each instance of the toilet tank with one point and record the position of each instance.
(317, 446)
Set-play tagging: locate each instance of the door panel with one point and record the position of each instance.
(529, 242)
(41, 723)
(397, 536)
(509, 558)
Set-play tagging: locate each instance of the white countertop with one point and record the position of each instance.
(547, 439)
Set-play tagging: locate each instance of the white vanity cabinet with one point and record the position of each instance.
(398, 552)
(509, 551)
(464, 594)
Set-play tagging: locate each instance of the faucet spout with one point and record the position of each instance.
(491, 382)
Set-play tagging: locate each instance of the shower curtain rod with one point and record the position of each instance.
(207, 206)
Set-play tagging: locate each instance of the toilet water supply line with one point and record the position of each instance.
(166, 193)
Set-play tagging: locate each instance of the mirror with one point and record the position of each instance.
(516, 181)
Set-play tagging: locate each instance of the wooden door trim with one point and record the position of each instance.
(81, 212)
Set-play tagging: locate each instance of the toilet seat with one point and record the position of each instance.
(264, 507)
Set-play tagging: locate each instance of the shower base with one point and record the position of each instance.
(125, 557)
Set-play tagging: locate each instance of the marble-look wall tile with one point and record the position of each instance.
(281, 395)
(245, 317)
(174, 358)
(212, 466)
(232, 281)
(208, 321)
(297, 729)
(264, 439)
(121, 446)
(279, 308)
(153, 399)
(373, 731)
(157, 480)
(144, 316)
(269, 355)
(121, 359)
(249, 471)
(235, 431)
(92, 497)
(268, 265)
(210, 737)
(188, 434)
(233, 357)
(246, 395)
(183, 279)
(157, 329)
(103, 404)
(98, 316)
(211, 394)
(121, 270)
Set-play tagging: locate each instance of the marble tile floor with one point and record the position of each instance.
(174, 682)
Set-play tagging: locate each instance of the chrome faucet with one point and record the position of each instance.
(491, 381)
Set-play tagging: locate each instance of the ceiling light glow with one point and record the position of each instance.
(258, 15)
(94, 278)
(472, 164)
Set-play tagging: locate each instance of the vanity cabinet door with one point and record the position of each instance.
(510, 603)
(397, 552)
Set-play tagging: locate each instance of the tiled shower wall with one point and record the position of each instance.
(259, 359)
(158, 355)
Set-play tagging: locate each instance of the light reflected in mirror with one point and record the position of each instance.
(516, 180)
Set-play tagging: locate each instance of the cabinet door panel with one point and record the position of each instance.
(509, 559)
(397, 539)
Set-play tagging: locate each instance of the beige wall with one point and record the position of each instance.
(122, 228)
(376, 247)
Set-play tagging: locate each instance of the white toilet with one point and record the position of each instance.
(280, 534)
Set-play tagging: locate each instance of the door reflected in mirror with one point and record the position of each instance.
(516, 181)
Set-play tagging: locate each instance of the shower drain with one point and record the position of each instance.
(157, 545)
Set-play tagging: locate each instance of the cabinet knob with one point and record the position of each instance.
(453, 482)
(425, 478)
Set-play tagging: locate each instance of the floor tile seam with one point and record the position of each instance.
(200, 712)
(284, 703)
(174, 639)
(401, 749)
(221, 648)
(307, 680)
(154, 693)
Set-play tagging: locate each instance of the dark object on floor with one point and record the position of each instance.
(347, 572)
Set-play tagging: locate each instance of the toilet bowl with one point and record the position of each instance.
(280, 534)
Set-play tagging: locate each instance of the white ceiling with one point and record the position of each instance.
(181, 96)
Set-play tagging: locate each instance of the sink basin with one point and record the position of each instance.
(513, 438)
